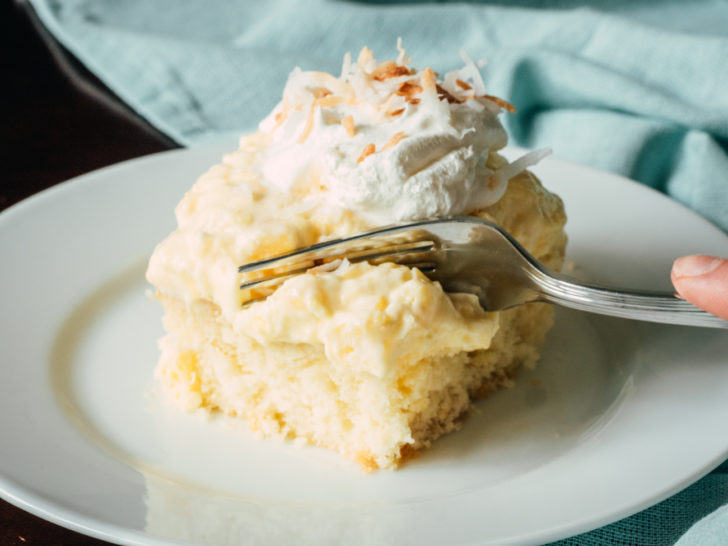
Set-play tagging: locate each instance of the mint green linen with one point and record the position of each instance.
(640, 90)
(636, 88)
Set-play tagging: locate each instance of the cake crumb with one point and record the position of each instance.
(366, 462)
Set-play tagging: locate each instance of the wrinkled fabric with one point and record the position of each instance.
(635, 88)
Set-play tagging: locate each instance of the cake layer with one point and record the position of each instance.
(375, 362)
(295, 389)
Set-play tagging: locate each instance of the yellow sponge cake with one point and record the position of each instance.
(373, 361)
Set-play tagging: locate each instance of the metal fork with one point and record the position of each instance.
(471, 255)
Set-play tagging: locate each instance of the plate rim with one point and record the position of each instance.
(60, 514)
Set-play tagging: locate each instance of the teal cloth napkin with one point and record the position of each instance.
(636, 88)
(639, 88)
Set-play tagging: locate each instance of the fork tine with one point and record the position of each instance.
(260, 289)
(408, 244)
(425, 267)
(386, 234)
(333, 250)
(301, 261)
(266, 276)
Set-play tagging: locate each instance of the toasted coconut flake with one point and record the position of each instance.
(325, 267)
(507, 106)
(397, 72)
(394, 140)
(462, 84)
(368, 150)
(330, 100)
(383, 68)
(309, 124)
(445, 94)
(393, 102)
(327, 100)
(392, 70)
(320, 92)
(504, 173)
(401, 59)
(428, 80)
(281, 116)
(329, 82)
(408, 89)
(348, 123)
(365, 56)
(400, 49)
(346, 65)
(472, 72)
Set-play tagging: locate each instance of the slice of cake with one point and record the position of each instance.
(374, 362)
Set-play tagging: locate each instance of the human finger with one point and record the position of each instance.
(703, 281)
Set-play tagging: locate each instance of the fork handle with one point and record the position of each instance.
(653, 307)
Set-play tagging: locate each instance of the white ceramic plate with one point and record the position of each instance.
(618, 415)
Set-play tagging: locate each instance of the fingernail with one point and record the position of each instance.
(694, 266)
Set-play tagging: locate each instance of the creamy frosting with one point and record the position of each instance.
(381, 144)
(387, 141)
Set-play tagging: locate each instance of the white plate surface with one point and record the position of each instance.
(618, 415)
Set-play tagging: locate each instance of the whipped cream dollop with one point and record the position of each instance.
(389, 142)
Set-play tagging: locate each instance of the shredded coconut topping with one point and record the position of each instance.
(388, 141)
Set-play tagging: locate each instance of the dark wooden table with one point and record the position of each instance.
(58, 121)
